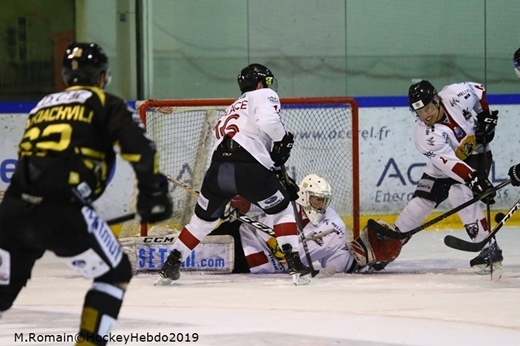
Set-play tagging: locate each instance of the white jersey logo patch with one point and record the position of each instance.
(271, 201)
(202, 202)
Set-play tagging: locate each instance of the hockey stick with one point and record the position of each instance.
(300, 229)
(488, 205)
(463, 245)
(121, 219)
(235, 214)
(320, 235)
(113, 221)
(388, 233)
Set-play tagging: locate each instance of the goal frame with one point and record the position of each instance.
(145, 105)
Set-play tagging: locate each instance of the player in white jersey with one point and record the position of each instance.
(251, 143)
(514, 171)
(458, 155)
(326, 234)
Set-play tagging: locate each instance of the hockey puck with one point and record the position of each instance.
(499, 217)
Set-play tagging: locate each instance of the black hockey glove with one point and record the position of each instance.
(479, 183)
(290, 185)
(486, 123)
(514, 174)
(154, 204)
(282, 149)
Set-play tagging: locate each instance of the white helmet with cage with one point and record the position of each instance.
(314, 196)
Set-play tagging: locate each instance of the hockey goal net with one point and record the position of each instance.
(326, 142)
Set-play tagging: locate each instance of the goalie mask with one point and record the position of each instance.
(314, 196)
(250, 75)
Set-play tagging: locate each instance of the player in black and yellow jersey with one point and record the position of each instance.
(65, 156)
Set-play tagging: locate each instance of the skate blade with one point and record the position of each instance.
(301, 280)
(497, 273)
(163, 282)
(326, 272)
(483, 269)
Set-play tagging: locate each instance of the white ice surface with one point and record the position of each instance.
(429, 296)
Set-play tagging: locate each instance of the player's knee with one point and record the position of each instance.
(209, 215)
(200, 228)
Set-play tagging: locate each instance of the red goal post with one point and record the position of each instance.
(326, 134)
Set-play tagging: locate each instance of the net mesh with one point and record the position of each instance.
(325, 132)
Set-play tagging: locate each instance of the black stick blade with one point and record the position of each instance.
(463, 245)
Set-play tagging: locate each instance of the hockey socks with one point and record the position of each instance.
(100, 310)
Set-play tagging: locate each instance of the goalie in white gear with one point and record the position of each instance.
(459, 158)
(325, 231)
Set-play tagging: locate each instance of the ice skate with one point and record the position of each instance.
(299, 272)
(170, 270)
(481, 262)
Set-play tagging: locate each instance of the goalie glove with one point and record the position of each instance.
(486, 123)
(282, 149)
(154, 203)
(479, 183)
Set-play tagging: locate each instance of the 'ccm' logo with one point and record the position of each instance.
(159, 240)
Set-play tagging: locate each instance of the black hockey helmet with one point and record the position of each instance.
(250, 75)
(516, 56)
(516, 62)
(83, 63)
(421, 94)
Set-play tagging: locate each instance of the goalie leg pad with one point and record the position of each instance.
(369, 249)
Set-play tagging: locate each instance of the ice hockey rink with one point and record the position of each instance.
(429, 296)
